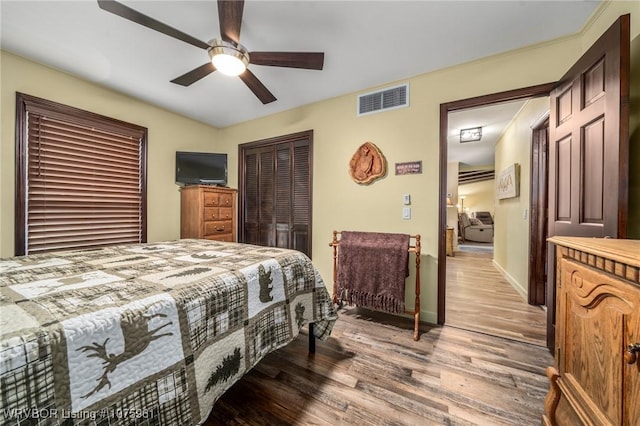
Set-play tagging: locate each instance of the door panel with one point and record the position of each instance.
(266, 185)
(595, 304)
(589, 141)
(301, 187)
(589, 148)
(538, 206)
(593, 164)
(283, 195)
(563, 183)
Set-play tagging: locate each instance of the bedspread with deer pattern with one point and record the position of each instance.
(146, 334)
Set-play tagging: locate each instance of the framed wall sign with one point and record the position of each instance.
(412, 167)
(508, 182)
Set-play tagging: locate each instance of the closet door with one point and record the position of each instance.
(300, 235)
(275, 192)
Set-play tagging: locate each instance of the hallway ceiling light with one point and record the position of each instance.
(471, 134)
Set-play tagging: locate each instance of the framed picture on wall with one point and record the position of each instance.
(508, 182)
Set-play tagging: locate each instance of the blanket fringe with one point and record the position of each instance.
(374, 301)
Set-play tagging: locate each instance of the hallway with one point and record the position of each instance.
(480, 299)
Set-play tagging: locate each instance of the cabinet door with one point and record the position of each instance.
(598, 313)
(632, 371)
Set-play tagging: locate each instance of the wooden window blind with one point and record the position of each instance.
(81, 179)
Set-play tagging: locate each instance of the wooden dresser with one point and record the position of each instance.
(596, 377)
(208, 212)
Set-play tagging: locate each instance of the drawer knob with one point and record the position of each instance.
(220, 229)
(631, 355)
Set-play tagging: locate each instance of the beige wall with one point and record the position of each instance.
(511, 228)
(452, 211)
(479, 196)
(167, 132)
(405, 134)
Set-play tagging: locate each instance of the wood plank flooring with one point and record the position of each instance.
(371, 372)
(480, 299)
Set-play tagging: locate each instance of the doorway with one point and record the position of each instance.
(595, 87)
(445, 110)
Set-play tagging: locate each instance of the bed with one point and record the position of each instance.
(149, 333)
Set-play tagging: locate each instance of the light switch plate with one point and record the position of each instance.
(406, 199)
(406, 213)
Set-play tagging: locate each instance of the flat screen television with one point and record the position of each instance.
(201, 168)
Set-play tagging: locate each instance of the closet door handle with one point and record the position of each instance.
(631, 355)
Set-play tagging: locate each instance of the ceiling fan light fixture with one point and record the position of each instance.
(227, 58)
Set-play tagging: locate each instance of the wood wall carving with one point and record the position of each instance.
(367, 164)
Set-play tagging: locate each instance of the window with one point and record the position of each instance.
(80, 178)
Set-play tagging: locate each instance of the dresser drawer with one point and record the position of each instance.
(213, 213)
(218, 227)
(218, 213)
(211, 198)
(225, 200)
(226, 213)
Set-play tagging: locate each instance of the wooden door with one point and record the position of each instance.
(538, 206)
(589, 148)
(256, 204)
(275, 192)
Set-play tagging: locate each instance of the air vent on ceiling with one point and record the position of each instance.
(394, 97)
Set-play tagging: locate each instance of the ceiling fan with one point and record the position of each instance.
(227, 54)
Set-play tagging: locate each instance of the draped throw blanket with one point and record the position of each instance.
(372, 268)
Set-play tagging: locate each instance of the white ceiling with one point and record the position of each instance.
(366, 44)
(493, 119)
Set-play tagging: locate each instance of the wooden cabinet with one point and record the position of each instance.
(449, 241)
(208, 212)
(596, 377)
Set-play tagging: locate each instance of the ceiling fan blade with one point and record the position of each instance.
(137, 17)
(230, 17)
(194, 75)
(306, 60)
(257, 87)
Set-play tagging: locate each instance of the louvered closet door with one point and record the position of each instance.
(300, 233)
(276, 196)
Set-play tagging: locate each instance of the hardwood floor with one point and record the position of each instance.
(371, 372)
(480, 299)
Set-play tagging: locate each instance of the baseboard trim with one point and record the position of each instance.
(514, 283)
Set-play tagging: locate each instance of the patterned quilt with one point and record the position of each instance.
(146, 334)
